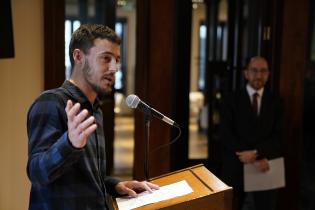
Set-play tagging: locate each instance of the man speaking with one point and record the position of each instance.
(66, 148)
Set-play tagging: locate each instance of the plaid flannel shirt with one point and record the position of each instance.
(62, 176)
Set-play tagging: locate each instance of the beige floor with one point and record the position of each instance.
(124, 145)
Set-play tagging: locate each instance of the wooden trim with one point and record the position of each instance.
(292, 67)
(160, 74)
(54, 55)
(180, 83)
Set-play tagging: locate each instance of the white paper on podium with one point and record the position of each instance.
(166, 192)
(255, 180)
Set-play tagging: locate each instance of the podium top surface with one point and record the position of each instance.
(199, 178)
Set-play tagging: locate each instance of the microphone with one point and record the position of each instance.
(134, 102)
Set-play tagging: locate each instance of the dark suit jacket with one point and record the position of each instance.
(242, 130)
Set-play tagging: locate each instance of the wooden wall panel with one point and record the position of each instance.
(292, 65)
(54, 59)
(154, 70)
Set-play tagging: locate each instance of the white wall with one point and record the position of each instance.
(20, 82)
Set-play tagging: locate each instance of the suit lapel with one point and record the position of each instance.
(265, 103)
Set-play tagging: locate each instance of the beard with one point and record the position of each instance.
(258, 84)
(101, 92)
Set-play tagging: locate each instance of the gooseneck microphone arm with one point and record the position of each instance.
(134, 102)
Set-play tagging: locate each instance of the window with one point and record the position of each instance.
(120, 29)
(70, 27)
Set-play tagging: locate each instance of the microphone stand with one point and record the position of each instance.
(147, 119)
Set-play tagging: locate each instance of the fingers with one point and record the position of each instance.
(89, 130)
(125, 188)
(262, 165)
(132, 187)
(265, 165)
(242, 156)
(69, 105)
(246, 156)
(72, 110)
(80, 126)
(130, 192)
(153, 186)
(145, 186)
(78, 120)
(86, 124)
(149, 186)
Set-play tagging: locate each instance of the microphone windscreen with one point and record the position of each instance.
(132, 101)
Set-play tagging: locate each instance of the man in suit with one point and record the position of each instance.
(250, 133)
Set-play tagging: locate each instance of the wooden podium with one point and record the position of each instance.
(209, 192)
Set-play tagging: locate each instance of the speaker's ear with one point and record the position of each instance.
(6, 32)
(78, 56)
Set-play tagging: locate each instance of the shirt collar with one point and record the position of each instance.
(78, 95)
(251, 90)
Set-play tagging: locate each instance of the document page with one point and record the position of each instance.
(255, 180)
(166, 192)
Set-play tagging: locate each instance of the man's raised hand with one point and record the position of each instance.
(80, 124)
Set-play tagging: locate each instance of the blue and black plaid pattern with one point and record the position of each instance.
(62, 176)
